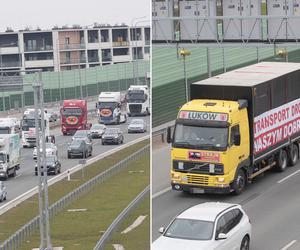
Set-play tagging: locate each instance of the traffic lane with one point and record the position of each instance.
(165, 207)
(26, 179)
(161, 168)
(275, 216)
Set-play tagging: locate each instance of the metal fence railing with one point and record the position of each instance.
(27, 230)
(108, 233)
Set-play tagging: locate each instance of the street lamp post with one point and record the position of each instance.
(184, 53)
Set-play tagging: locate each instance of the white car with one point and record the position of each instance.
(3, 192)
(210, 225)
(51, 149)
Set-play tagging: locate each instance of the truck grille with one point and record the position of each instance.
(197, 167)
(199, 180)
(135, 108)
(31, 140)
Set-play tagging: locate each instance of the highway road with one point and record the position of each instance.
(26, 180)
(272, 203)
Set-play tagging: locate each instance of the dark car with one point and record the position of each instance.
(53, 165)
(81, 148)
(82, 135)
(112, 136)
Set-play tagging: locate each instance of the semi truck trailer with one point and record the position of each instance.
(236, 126)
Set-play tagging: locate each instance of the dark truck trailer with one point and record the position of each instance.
(272, 90)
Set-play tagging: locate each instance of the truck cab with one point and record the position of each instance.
(10, 126)
(73, 116)
(111, 109)
(211, 138)
(138, 102)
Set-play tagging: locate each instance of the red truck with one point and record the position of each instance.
(73, 116)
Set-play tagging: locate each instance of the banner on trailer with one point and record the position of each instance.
(276, 125)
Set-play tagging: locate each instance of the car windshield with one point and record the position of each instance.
(50, 160)
(111, 131)
(97, 126)
(190, 229)
(136, 96)
(81, 133)
(137, 122)
(111, 105)
(76, 143)
(196, 137)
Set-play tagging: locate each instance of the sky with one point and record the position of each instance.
(17, 14)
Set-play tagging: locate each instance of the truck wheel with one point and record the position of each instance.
(293, 155)
(282, 161)
(239, 182)
(14, 173)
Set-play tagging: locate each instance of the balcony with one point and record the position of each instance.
(39, 63)
(122, 58)
(9, 50)
(15, 64)
(38, 48)
(93, 59)
(65, 61)
(106, 58)
(121, 44)
(72, 46)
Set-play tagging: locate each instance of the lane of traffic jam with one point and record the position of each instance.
(85, 138)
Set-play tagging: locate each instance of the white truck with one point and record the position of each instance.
(28, 129)
(138, 100)
(10, 126)
(111, 108)
(9, 155)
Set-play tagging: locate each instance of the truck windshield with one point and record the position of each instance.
(136, 96)
(5, 130)
(29, 123)
(208, 138)
(72, 111)
(2, 158)
(103, 105)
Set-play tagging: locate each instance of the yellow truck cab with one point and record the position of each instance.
(237, 125)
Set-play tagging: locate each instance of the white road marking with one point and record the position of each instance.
(161, 192)
(288, 245)
(118, 247)
(135, 224)
(18, 176)
(285, 178)
(77, 210)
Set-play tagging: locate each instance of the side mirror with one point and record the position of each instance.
(161, 230)
(169, 136)
(237, 140)
(222, 236)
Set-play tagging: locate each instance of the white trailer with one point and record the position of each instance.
(9, 155)
(236, 29)
(28, 129)
(198, 29)
(138, 100)
(111, 108)
(162, 30)
(10, 126)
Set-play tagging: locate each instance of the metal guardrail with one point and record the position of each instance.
(108, 233)
(162, 130)
(27, 230)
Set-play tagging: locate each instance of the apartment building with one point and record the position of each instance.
(73, 48)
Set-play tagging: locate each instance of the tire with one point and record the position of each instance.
(282, 161)
(245, 244)
(1, 199)
(69, 156)
(293, 155)
(239, 182)
(103, 143)
(36, 174)
(5, 198)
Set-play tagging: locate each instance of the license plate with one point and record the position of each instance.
(197, 190)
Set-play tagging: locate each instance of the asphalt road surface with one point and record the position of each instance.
(26, 180)
(272, 202)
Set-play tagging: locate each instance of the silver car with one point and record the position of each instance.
(97, 130)
(137, 126)
(3, 192)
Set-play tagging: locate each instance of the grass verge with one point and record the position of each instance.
(16, 217)
(82, 230)
(138, 238)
